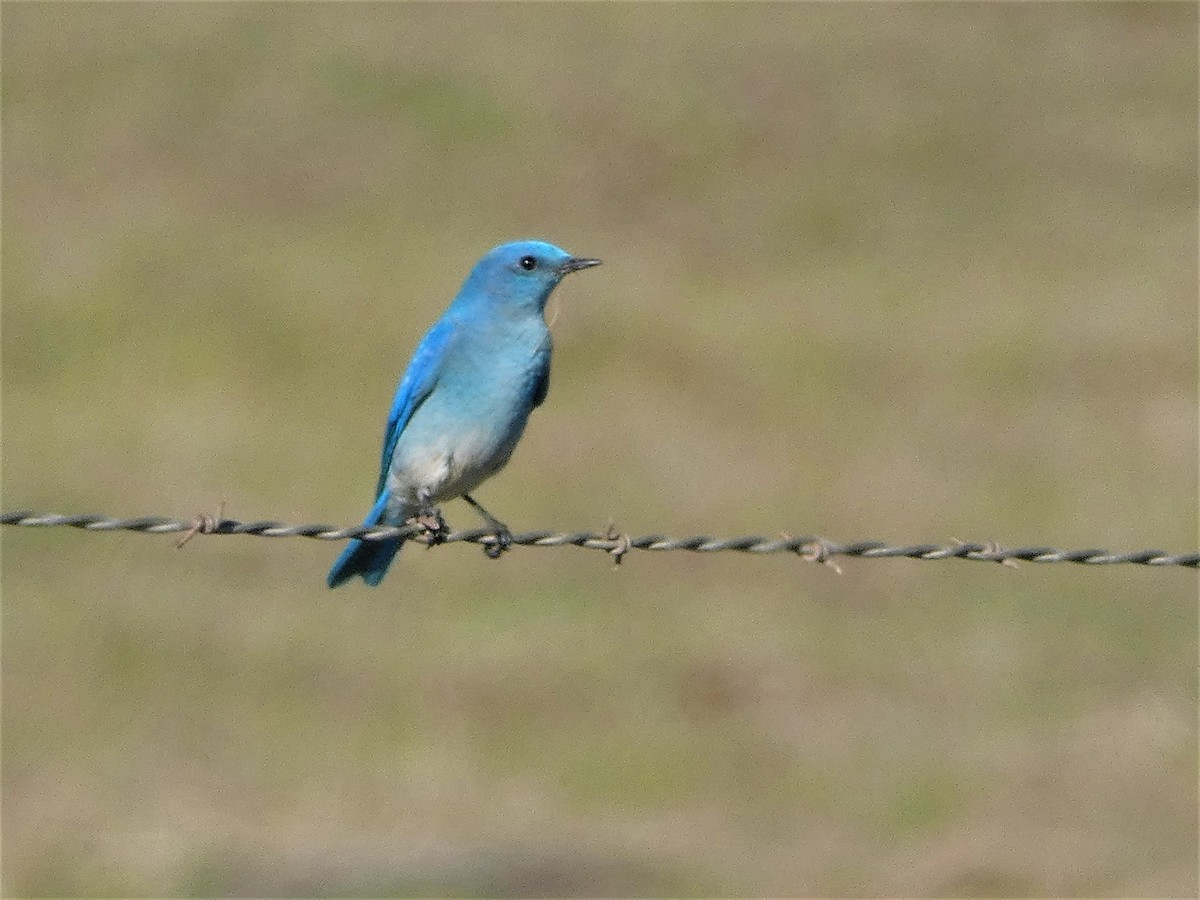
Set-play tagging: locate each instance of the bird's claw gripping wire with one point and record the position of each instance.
(501, 537)
(501, 542)
(436, 529)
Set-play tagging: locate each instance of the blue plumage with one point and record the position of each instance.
(466, 395)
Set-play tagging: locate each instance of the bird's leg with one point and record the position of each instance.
(430, 518)
(503, 535)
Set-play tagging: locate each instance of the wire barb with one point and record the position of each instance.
(202, 524)
(621, 543)
(816, 549)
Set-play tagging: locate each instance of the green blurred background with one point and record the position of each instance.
(906, 272)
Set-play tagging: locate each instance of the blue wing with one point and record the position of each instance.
(418, 382)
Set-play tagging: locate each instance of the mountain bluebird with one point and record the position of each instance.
(462, 405)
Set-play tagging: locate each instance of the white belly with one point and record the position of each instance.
(444, 468)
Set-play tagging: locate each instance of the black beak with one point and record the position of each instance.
(574, 264)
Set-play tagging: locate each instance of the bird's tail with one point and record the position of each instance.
(367, 559)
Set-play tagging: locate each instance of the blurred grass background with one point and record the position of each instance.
(908, 272)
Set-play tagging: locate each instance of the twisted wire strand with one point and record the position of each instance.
(810, 547)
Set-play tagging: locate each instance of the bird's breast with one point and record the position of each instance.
(469, 425)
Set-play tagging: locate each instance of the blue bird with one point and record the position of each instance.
(464, 400)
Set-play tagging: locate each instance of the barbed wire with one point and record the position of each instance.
(811, 547)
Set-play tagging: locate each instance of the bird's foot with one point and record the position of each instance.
(502, 535)
(435, 526)
(501, 543)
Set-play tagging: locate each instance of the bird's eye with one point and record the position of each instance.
(528, 263)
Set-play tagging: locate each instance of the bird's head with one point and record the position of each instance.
(521, 275)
